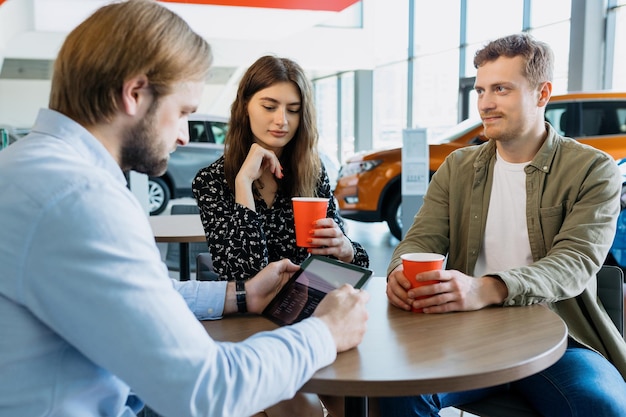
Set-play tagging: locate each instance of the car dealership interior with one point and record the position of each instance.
(379, 69)
(377, 66)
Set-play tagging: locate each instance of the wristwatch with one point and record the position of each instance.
(240, 292)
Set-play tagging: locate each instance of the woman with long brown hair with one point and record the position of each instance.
(245, 196)
(270, 156)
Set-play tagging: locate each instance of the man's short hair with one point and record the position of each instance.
(118, 42)
(538, 56)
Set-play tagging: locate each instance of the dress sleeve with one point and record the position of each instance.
(234, 234)
(361, 258)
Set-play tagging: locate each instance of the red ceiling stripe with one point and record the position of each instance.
(326, 5)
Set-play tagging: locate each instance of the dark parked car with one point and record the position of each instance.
(206, 144)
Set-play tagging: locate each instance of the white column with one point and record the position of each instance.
(415, 173)
(586, 54)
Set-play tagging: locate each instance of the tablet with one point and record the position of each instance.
(318, 275)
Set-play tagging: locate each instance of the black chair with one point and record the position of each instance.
(611, 293)
(172, 256)
(204, 268)
(563, 123)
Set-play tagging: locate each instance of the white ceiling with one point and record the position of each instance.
(212, 22)
(35, 30)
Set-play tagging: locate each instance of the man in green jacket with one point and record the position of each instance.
(526, 218)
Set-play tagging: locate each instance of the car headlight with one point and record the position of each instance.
(354, 168)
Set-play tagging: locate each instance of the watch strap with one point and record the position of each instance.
(240, 292)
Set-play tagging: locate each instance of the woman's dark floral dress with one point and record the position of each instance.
(241, 241)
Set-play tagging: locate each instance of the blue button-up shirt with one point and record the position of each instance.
(87, 309)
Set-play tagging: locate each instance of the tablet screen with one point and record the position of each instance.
(317, 276)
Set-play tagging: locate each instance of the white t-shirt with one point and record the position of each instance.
(505, 244)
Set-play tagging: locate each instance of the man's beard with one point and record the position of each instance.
(501, 134)
(140, 150)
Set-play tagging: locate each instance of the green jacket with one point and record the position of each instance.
(572, 205)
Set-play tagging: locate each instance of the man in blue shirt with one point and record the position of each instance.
(87, 309)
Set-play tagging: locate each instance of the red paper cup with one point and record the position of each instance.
(306, 211)
(415, 263)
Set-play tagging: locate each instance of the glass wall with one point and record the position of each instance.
(436, 90)
(335, 102)
(436, 64)
(487, 20)
(550, 22)
(390, 99)
(327, 114)
(444, 38)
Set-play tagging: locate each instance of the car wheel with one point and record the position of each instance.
(393, 216)
(158, 195)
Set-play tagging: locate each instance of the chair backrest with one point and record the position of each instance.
(184, 209)
(204, 268)
(172, 256)
(563, 122)
(611, 293)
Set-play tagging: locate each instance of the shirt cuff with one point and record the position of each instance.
(204, 298)
(324, 343)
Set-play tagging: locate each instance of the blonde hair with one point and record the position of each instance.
(117, 42)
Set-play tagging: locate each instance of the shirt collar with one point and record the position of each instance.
(542, 161)
(52, 123)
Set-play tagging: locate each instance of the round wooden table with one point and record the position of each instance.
(406, 353)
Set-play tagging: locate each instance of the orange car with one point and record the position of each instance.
(368, 188)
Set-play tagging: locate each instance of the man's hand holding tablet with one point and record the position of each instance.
(317, 277)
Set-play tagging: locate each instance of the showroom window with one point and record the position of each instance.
(436, 90)
(390, 98)
(335, 100)
(436, 65)
(487, 20)
(445, 35)
(390, 88)
(550, 21)
(327, 114)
